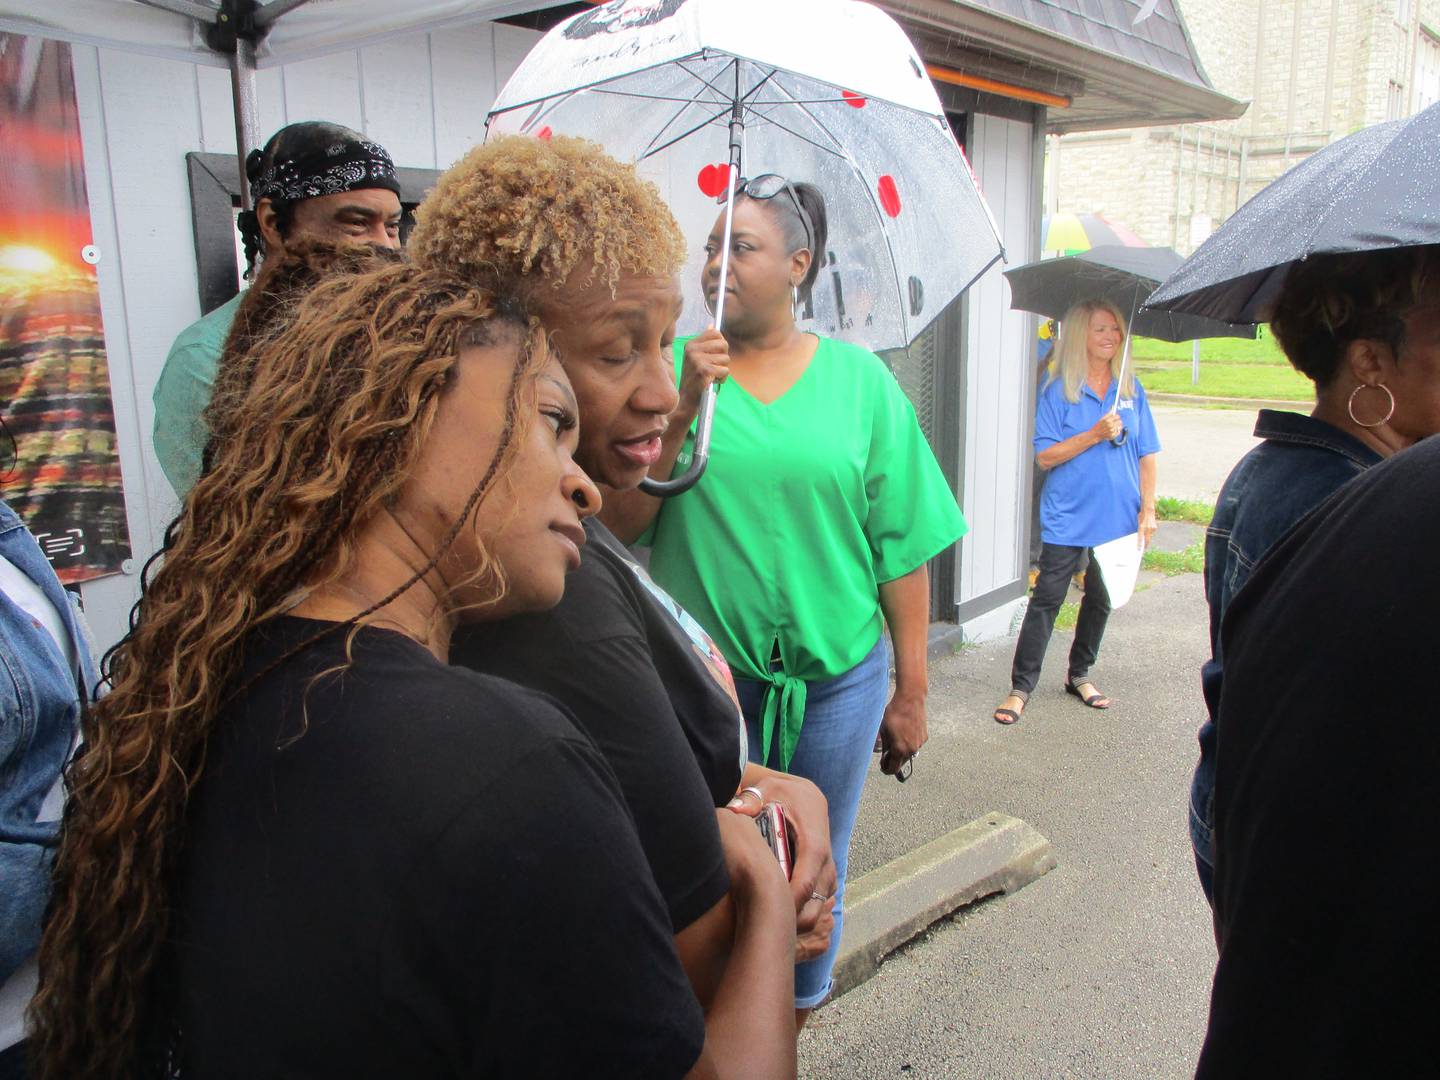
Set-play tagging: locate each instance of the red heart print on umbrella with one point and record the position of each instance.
(713, 180)
(889, 195)
(854, 100)
(544, 134)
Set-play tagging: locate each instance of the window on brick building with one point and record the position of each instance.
(1395, 101)
(1426, 87)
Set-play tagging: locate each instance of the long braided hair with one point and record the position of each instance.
(339, 397)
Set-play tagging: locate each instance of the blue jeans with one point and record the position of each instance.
(837, 739)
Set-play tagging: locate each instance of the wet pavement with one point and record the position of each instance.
(1102, 967)
(1200, 446)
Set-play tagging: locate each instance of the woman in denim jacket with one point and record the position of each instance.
(47, 673)
(1365, 327)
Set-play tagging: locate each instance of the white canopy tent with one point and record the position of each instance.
(244, 35)
(156, 108)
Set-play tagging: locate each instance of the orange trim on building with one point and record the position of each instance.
(994, 86)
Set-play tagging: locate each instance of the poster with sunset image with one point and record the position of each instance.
(59, 462)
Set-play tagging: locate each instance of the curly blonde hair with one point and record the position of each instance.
(339, 397)
(521, 207)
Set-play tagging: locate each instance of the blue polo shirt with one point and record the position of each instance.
(1095, 496)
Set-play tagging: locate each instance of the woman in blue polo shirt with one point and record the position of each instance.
(1095, 491)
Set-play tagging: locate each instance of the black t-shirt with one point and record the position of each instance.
(1327, 901)
(643, 681)
(408, 869)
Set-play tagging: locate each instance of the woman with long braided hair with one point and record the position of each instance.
(297, 842)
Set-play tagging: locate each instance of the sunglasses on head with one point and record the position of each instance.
(767, 186)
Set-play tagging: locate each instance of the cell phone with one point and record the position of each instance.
(778, 834)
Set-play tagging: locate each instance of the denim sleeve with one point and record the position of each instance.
(24, 891)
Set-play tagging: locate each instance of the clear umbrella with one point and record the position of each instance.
(826, 91)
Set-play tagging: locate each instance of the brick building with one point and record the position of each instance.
(1313, 71)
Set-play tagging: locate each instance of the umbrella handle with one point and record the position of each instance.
(703, 422)
(705, 415)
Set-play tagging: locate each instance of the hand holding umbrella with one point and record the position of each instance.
(831, 88)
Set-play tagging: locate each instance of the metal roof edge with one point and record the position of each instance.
(986, 27)
(1194, 52)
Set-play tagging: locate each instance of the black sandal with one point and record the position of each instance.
(1009, 716)
(1093, 700)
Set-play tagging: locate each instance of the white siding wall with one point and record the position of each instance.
(424, 97)
(999, 366)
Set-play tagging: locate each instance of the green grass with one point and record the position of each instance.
(1198, 513)
(1068, 616)
(1227, 381)
(1170, 563)
(1229, 367)
(1262, 350)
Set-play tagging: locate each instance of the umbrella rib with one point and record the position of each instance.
(761, 117)
(801, 101)
(650, 147)
(758, 87)
(704, 85)
(766, 112)
(652, 150)
(720, 95)
(648, 97)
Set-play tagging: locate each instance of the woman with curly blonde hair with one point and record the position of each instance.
(297, 842)
(597, 253)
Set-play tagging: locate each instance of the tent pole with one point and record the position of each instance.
(242, 86)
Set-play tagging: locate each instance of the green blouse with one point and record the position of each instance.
(808, 504)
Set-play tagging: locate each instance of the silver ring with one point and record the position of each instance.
(753, 791)
(817, 896)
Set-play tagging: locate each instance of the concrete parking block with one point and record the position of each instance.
(886, 908)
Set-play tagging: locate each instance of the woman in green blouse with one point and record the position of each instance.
(811, 529)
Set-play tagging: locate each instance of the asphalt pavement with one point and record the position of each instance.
(1201, 445)
(1101, 968)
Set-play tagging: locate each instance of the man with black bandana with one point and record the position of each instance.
(315, 180)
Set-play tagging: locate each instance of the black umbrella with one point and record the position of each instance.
(1378, 188)
(1125, 276)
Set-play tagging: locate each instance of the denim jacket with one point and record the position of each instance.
(40, 699)
(1301, 463)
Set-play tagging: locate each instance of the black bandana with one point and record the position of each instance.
(337, 165)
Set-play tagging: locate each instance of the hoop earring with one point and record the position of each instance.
(1350, 405)
(794, 302)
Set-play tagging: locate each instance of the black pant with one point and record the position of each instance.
(12, 1061)
(1057, 564)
